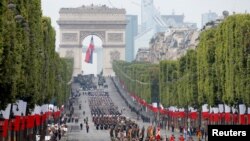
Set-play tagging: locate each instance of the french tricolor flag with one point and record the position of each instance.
(242, 108)
(89, 53)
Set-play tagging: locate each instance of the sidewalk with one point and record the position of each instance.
(120, 103)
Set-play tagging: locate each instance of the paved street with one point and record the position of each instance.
(75, 134)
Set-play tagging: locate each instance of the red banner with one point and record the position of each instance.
(248, 119)
(216, 117)
(38, 120)
(227, 117)
(5, 128)
(44, 117)
(57, 114)
(182, 114)
(22, 123)
(193, 115)
(17, 123)
(205, 115)
(242, 119)
(235, 118)
(30, 122)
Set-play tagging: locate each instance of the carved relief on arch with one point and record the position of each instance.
(114, 55)
(100, 34)
(69, 37)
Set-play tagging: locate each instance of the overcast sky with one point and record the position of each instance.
(192, 9)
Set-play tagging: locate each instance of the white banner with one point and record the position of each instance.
(19, 108)
(37, 110)
(51, 107)
(234, 110)
(6, 112)
(175, 108)
(45, 108)
(227, 109)
(242, 108)
(216, 110)
(154, 105)
(161, 106)
(55, 109)
(192, 109)
(248, 110)
(205, 108)
(221, 108)
(211, 109)
(181, 109)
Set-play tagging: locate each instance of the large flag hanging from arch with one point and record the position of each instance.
(89, 53)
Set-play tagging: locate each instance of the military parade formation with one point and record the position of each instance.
(106, 116)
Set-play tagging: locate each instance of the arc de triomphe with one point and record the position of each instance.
(107, 23)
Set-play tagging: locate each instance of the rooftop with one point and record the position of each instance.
(93, 9)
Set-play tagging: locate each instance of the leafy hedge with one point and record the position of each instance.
(30, 69)
(137, 77)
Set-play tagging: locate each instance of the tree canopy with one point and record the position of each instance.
(218, 71)
(30, 68)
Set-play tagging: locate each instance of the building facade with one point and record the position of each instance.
(208, 17)
(131, 32)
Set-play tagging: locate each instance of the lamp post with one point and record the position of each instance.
(21, 129)
(41, 126)
(1, 125)
(12, 120)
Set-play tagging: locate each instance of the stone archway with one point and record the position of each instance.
(107, 23)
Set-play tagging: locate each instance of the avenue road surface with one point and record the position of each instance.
(74, 132)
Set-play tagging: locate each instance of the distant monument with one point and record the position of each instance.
(107, 23)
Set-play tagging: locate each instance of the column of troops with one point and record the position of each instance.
(104, 112)
(106, 115)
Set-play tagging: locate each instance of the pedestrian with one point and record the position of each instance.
(158, 135)
(87, 128)
(172, 126)
(167, 138)
(55, 135)
(172, 138)
(185, 133)
(202, 132)
(87, 120)
(199, 135)
(81, 126)
(59, 133)
(111, 134)
(181, 138)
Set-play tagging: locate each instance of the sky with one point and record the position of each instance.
(192, 9)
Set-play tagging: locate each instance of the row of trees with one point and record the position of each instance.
(218, 71)
(137, 78)
(30, 69)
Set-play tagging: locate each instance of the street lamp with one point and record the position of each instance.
(1, 115)
(12, 116)
(11, 6)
